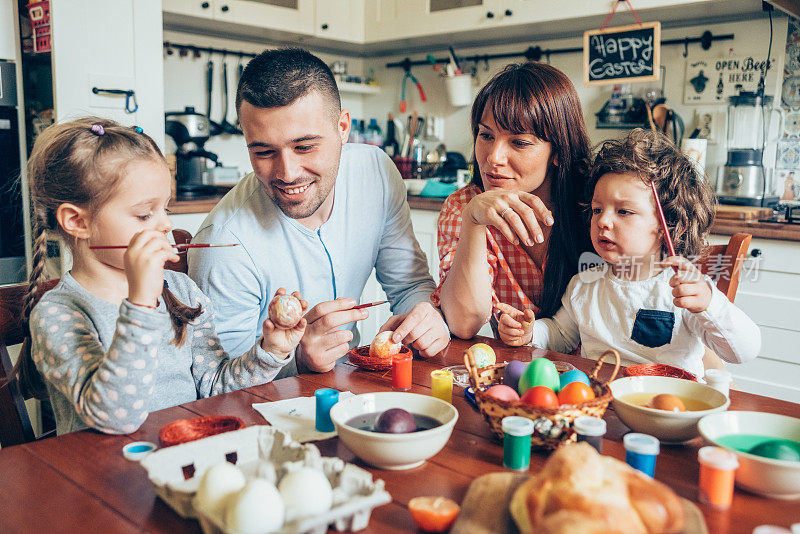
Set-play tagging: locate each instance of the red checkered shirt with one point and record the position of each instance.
(515, 278)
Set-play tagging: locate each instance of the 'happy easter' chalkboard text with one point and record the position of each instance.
(622, 54)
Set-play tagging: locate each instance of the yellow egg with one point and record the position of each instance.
(483, 354)
(667, 402)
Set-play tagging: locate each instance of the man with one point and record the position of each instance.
(316, 216)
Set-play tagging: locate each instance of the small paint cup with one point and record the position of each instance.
(137, 450)
(401, 372)
(641, 452)
(325, 399)
(517, 433)
(591, 430)
(442, 384)
(720, 380)
(717, 469)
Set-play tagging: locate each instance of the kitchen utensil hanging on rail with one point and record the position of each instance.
(225, 126)
(408, 76)
(215, 127)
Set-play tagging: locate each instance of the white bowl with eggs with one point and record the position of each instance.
(770, 477)
(394, 451)
(669, 426)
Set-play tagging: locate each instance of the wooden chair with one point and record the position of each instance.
(181, 237)
(724, 264)
(15, 423)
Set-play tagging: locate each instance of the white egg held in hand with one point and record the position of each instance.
(255, 509)
(218, 483)
(305, 492)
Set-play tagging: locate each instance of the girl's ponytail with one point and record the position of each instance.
(180, 313)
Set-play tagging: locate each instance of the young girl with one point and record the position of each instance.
(648, 310)
(119, 336)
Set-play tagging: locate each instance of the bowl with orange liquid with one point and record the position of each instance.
(664, 407)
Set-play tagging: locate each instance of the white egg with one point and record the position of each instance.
(218, 483)
(255, 509)
(305, 492)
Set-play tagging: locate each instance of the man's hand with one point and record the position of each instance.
(515, 327)
(423, 328)
(323, 342)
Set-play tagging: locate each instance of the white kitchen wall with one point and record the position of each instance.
(8, 50)
(751, 39)
(185, 85)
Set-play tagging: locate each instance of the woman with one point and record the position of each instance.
(513, 237)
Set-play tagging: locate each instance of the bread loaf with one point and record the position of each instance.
(580, 491)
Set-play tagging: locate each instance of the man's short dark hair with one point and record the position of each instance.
(276, 78)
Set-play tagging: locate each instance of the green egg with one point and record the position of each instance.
(776, 450)
(540, 372)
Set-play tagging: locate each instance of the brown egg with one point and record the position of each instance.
(667, 402)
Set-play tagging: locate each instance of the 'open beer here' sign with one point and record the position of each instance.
(622, 54)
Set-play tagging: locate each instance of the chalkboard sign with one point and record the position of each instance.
(622, 54)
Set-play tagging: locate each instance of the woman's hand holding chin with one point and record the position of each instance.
(516, 214)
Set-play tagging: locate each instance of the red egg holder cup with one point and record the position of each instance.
(360, 357)
(658, 369)
(495, 410)
(185, 430)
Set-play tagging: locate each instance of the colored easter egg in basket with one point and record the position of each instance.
(383, 347)
(573, 376)
(540, 372)
(511, 373)
(540, 396)
(285, 311)
(483, 354)
(503, 393)
(574, 393)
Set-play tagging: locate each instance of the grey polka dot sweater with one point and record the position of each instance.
(107, 366)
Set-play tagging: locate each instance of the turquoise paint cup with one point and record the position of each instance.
(325, 399)
(517, 433)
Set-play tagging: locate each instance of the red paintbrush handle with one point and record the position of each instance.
(361, 306)
(662, 220)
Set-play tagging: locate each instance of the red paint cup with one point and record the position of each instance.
(401, 372)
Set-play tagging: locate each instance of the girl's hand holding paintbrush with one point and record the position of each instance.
(690, 289)
(144, 261)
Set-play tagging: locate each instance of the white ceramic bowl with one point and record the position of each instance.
(779, 479)
(394, 451)
(414, 186)
(666, 426)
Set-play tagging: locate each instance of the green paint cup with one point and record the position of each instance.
(517, 433)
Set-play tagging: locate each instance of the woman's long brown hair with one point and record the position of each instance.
(70, 163)
(538, 99)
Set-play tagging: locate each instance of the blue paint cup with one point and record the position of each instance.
(325, 398)
(641, 452)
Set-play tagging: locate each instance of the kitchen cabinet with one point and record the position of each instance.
(294, 16)
(8, 49)
(769, 293)
(398, 19)
(341, 20)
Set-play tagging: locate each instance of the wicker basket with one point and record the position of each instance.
(557, 429)
(360, 356)
(658, 369)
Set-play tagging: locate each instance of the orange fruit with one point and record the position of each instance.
(575, 392)
(433, 514)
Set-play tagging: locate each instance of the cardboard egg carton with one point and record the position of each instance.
(265, 452)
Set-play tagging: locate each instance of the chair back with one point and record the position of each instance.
(181, 237)
(15, 423)
(724, 263)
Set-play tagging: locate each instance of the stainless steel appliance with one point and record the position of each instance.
(191, 130)
(744, 180)
(12, 232)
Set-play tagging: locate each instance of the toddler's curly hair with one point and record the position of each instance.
(686, 197)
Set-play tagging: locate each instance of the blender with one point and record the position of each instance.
(744, 180)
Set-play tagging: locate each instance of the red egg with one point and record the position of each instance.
(575, 392)
(540, 396)
(503, 393)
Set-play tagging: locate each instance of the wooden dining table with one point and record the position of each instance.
(80, 482)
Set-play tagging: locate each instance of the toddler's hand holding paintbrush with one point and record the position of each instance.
(514, 326)
(689, 286)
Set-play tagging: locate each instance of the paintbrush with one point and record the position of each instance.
(368, 305)
(662, 220)
(183, 246)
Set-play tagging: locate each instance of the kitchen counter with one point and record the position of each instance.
(786, 232)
